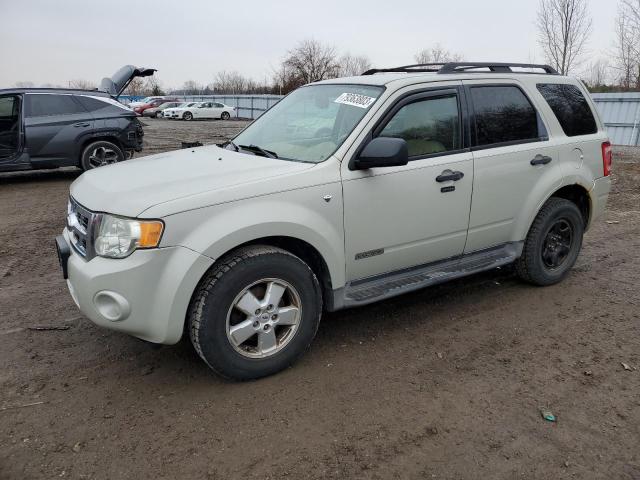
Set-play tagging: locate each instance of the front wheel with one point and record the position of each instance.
(552, 244)
(188, 116)
(99, 154)
(255, 312)
(225, 116)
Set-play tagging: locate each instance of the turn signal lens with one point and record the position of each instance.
(150, 233)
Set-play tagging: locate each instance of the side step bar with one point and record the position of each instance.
(369, 290)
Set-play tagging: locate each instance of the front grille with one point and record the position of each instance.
(80, 223)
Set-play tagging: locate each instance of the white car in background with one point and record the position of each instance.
(207, 110)
(176, 112)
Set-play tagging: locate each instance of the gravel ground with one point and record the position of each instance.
(447, 382)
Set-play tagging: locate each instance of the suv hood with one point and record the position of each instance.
(119, 80)
(214, 174)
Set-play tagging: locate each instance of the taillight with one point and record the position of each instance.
(607, 158)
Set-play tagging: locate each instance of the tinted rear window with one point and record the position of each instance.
(570, 107)
(39, 105)
(92, 104)
(504, 114)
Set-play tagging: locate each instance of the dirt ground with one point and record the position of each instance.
(445, 383)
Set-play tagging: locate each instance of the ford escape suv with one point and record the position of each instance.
(56, 127)
(347, 192)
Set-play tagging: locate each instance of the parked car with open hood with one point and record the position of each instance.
(55, 127)
(346, 192)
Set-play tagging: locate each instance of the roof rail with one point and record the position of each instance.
(464, 67)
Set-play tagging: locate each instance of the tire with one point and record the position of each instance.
(98, 154)
(552, 244)
(225, 116)
(188, 116)
(242, 278)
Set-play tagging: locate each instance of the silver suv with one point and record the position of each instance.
(347, 192)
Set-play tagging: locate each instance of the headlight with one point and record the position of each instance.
(118, 237)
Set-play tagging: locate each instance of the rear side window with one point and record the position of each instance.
(428, 126)
(570, 108)
(503, 114)
(40, 105)
(92, 104)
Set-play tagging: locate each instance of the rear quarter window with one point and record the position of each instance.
(570, 108)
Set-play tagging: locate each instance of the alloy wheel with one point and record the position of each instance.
(557, 244)
(263, 318)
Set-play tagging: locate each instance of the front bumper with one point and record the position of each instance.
(145, 295)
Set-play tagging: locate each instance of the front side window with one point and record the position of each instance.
(310, 124)
(428, 126)
(503, 114)
(570, 108)
(40, 105)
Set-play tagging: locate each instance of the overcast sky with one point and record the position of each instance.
(53, 41)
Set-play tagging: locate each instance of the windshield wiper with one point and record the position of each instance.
(260, 150)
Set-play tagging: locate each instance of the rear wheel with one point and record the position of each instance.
(553, 243)
(255, 312)
(187, 116)
(99, 154)
(225, 116)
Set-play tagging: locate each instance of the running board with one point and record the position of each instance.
(369, 290)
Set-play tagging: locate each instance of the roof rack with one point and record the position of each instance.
(465, 67)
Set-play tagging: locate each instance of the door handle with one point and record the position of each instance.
(448, 175)
(81, 124)
(540, 160)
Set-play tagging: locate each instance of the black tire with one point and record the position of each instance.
(100, 153)
(188, 116)
(546, 260)
(225, 116)
(212, 302)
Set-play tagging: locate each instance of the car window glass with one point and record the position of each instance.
(428, 126)
(38, 105)
(92, 104)
(219, 105)
(504, 114)
(8, 107)
(570, 108)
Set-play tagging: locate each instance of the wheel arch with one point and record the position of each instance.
(107, 138)
(574, 192)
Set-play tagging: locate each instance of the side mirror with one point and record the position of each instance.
(383, 152)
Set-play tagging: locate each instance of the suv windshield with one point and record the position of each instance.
(311, 123)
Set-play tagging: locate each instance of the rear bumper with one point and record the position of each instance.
(145, 295)
(599, 195)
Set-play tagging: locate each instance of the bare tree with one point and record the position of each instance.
(437, 54)
(597, 73)
(153, 86)
(311, 61)
(135, 87)
(231, 83)
(353, 65)
(80, 84)
(191, 87)
(564, 27)
(627, 45)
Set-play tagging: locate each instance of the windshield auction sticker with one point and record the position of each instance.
(355, 100)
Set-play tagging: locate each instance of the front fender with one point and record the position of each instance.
(301, 214)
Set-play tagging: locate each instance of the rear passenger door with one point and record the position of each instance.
(515, 162)
(53, 125)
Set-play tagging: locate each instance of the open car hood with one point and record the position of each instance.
(119, 80)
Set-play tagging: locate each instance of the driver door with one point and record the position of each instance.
(203, 111)
(400, 217)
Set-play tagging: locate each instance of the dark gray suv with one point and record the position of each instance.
(49, 128)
